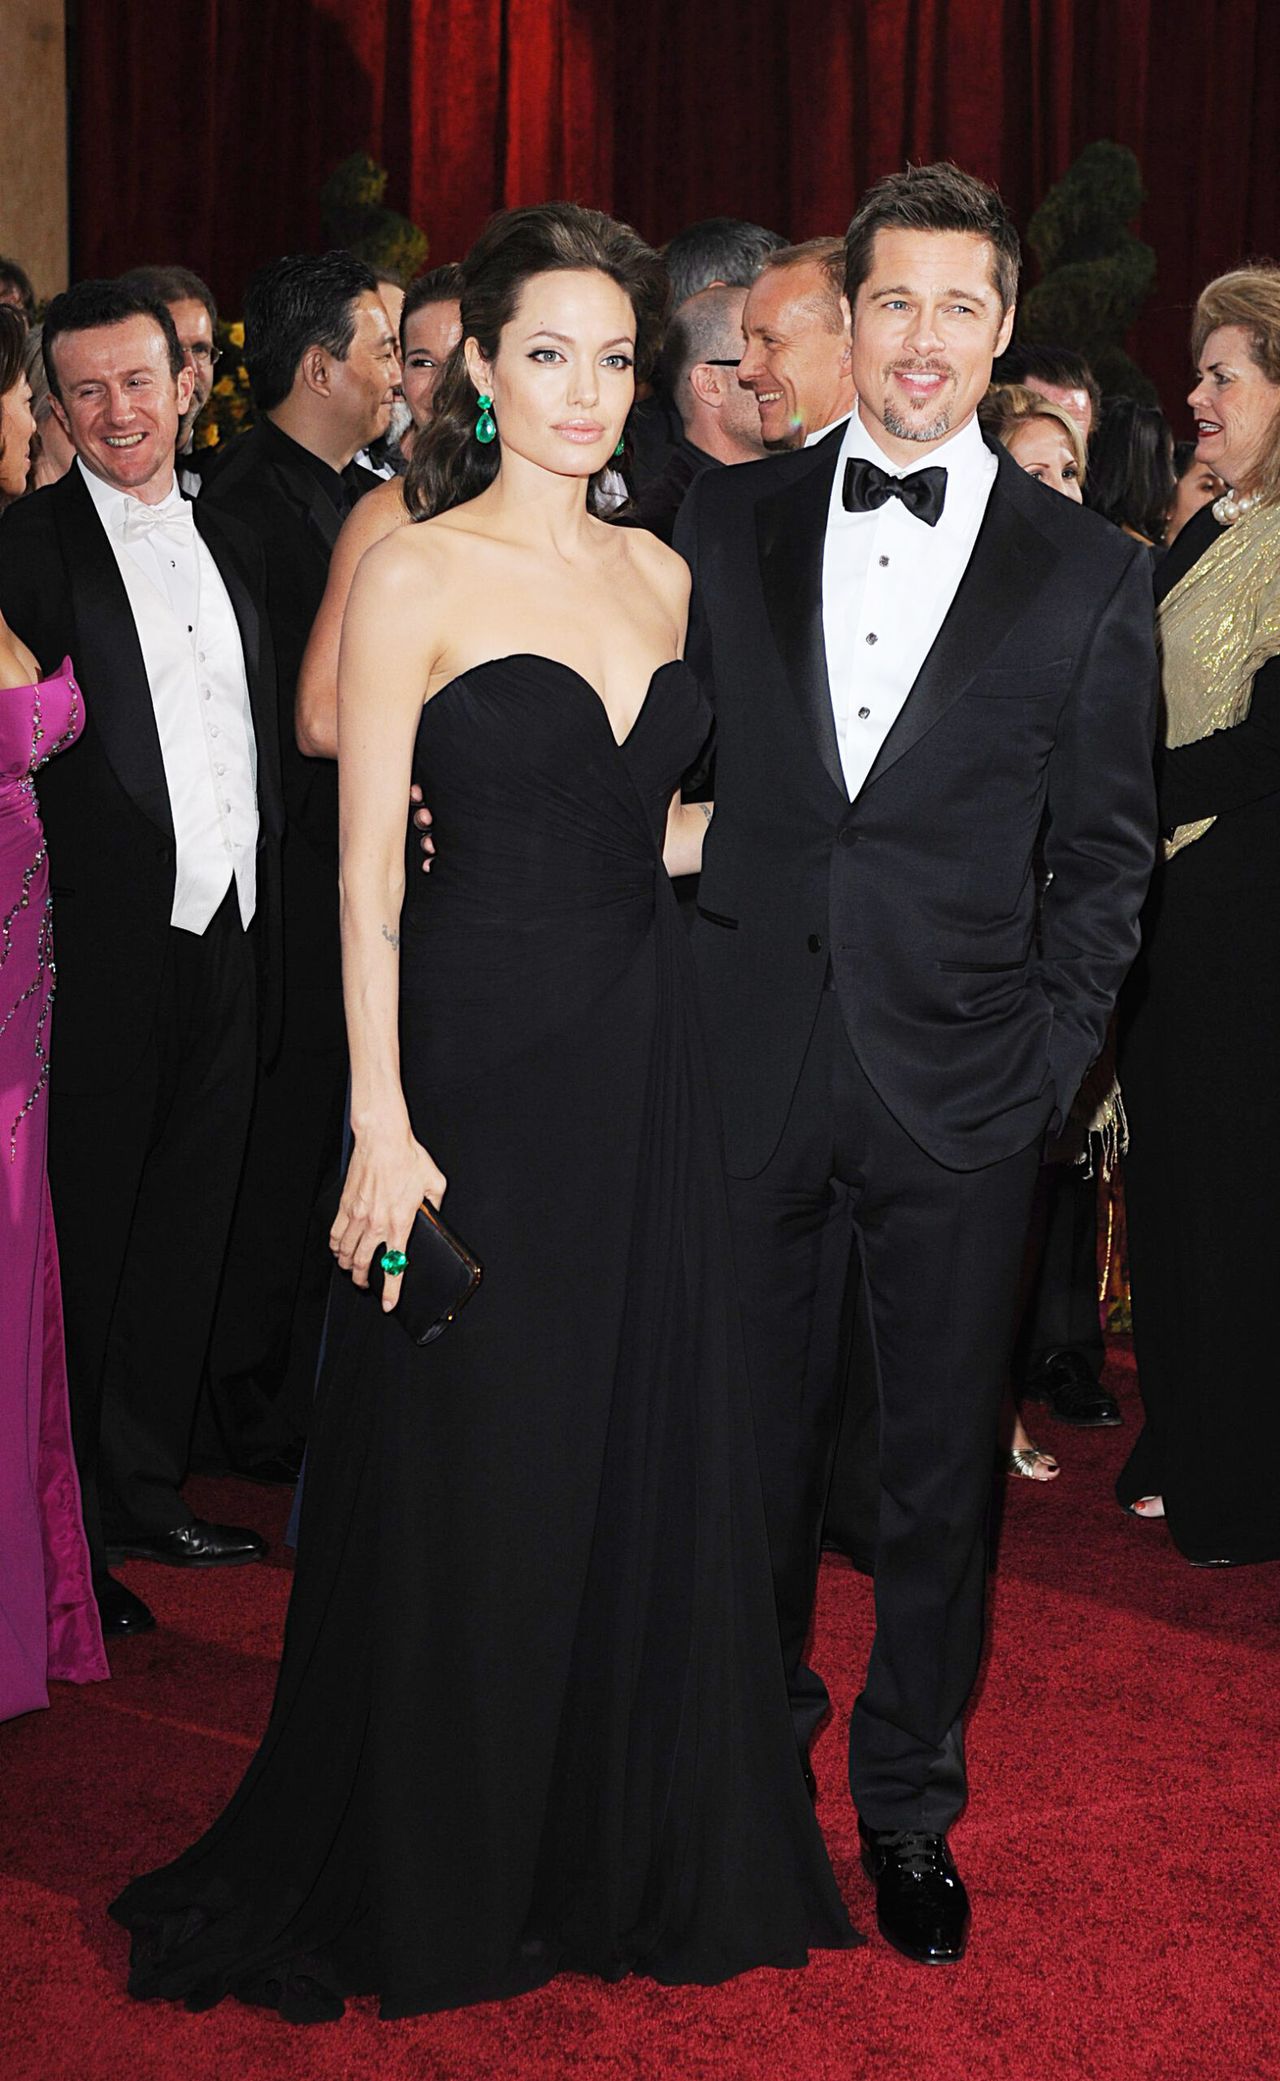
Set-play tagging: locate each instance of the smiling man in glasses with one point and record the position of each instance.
(195, 318)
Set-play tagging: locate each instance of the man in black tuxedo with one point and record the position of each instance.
(918, 655)
(163, 828)
(324, 366)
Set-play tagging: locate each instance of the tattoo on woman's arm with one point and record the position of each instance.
(708, 810)
(392, 938)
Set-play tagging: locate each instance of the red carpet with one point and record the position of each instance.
(1121, 1846)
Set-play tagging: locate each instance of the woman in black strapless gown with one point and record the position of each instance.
(531, 1713)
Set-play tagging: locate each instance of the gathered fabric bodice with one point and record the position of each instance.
(548, 857)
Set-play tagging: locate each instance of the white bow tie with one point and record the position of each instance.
(141, 521)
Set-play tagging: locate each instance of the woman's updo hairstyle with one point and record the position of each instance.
(449, 465)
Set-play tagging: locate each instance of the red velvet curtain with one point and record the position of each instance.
(203, 134)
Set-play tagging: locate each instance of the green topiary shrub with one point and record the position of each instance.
(355, 217)
(1095, 274)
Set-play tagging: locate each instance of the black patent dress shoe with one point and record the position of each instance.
(197, 1545)
(922, 1908)
(1064, 1381)
(121, 1613)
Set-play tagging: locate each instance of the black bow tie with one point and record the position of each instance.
(866, 487)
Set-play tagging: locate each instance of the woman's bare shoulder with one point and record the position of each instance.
(378, 513)
(661, 567)
(399, 556)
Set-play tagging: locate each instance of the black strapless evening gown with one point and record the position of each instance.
(531, 1713)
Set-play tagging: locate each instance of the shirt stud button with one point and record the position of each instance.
(873, 638)
(883, 562)
(863, 713)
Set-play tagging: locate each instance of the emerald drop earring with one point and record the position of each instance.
(486, 426)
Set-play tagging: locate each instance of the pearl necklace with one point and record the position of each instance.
(1229, 508)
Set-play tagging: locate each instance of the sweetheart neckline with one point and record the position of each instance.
(65, 669)
(540, 657)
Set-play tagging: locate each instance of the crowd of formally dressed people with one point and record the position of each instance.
(782, 1268)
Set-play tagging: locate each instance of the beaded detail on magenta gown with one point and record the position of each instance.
(48, 1617)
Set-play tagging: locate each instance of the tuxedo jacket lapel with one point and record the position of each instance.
(120, 708)
(1009, 564)
(791, 527)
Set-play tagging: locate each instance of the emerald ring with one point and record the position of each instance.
(393, 1263)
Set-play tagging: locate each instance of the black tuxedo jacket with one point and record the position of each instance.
(1035, 706)
(104, 803)
(295, 505)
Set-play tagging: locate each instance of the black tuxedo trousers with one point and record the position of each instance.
(143, 1179)
(940, 1253)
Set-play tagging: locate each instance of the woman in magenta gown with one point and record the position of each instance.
(48, 1617)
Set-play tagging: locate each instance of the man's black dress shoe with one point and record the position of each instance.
(122, 1614)
(1064, 1381)
(922, 1908)
(197, 1545)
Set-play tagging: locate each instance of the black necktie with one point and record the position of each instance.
(866, 488)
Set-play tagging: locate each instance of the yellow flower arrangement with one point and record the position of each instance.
(230, 408)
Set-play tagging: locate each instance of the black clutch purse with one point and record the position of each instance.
(439, 1278)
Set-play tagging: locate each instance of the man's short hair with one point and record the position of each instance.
(14, 276)
(1025, 362)
(87, 305)
(303, 300)
(933, 198)
(707, 327)
(438, 285)
(172, 285)
(717, 249)
(826, 254)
